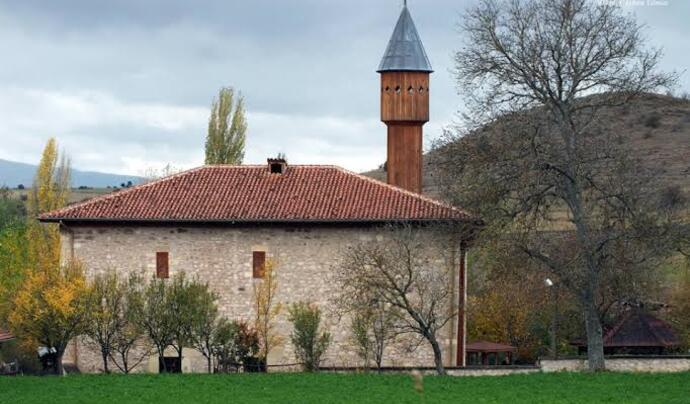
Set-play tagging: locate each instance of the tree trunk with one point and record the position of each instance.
(438, 356)
(125, 364)
(104, 355)
(59, 369)
(595, 338)
(209, 364)
(161, 360)
(179, 355)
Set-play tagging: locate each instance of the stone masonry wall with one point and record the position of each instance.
(619, 364)
(222, 256)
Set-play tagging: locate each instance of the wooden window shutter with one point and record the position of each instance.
(162, 265)
(259, 263)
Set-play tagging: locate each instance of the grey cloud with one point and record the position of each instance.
(306, 68)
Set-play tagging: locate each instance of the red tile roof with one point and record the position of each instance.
(637, 328)
(485, 346)
(5, 336)
(252, 194)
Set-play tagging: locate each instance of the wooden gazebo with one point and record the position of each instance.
(637, 332)
(486, 353)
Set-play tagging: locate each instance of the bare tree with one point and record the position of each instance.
(156, 318)
(547, 69)
(129, 346)
(193, 309)
(105, 317)
(410, 271)
(204, 320)
(373, 325)
(267, 310)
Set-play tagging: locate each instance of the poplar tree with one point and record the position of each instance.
(50, 191)
(46, 305)
(227, 127)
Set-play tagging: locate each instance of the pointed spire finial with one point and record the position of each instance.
(405, 51)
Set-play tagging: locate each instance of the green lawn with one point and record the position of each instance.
(333, 388)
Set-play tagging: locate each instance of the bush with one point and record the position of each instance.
(235, 345)
(309, 344)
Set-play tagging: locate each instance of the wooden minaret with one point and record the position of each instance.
(405, 71)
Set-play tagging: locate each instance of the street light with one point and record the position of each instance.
(552, 296)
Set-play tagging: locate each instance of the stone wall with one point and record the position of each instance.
(621, 364)
(222, 256)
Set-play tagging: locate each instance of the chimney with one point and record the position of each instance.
(277, 165)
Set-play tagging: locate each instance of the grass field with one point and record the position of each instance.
(334, 388)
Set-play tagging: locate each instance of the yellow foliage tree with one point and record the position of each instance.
(508, 304)
(506, 315)
(49, 309)
(267, 310)
(43, 302)
(50, 191)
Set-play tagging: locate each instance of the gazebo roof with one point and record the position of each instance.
(486, 346)
(637, 328)
(5, 336)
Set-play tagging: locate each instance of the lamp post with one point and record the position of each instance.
(554, 319)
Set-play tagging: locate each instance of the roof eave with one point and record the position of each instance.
(392, 70)
(249, 221)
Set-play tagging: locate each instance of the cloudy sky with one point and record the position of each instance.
(125, 85)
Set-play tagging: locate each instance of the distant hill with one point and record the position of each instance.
(12, 174)
(657, 125)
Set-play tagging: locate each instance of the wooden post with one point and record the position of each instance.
(461, 357)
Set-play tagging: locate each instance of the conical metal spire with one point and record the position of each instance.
(405, 51)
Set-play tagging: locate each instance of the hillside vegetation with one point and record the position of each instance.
(658, 125)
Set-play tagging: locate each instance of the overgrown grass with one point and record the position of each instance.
(334, 388)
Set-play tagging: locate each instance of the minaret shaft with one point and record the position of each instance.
(404, 162)
(405, 110)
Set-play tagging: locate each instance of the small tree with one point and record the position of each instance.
(223, 345)
(131, 335)
(267, 310)
(227, 127)
(49, 309)
(373, 326)
(181, 298)
(234, 344)
(105, 316)
(204, 321)
(156, 318)
(400, 272)
(309, 343)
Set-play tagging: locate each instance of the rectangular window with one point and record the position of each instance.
(162, 265)
(258, 264)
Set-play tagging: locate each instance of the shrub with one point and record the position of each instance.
(235, 344)
(309, 343)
